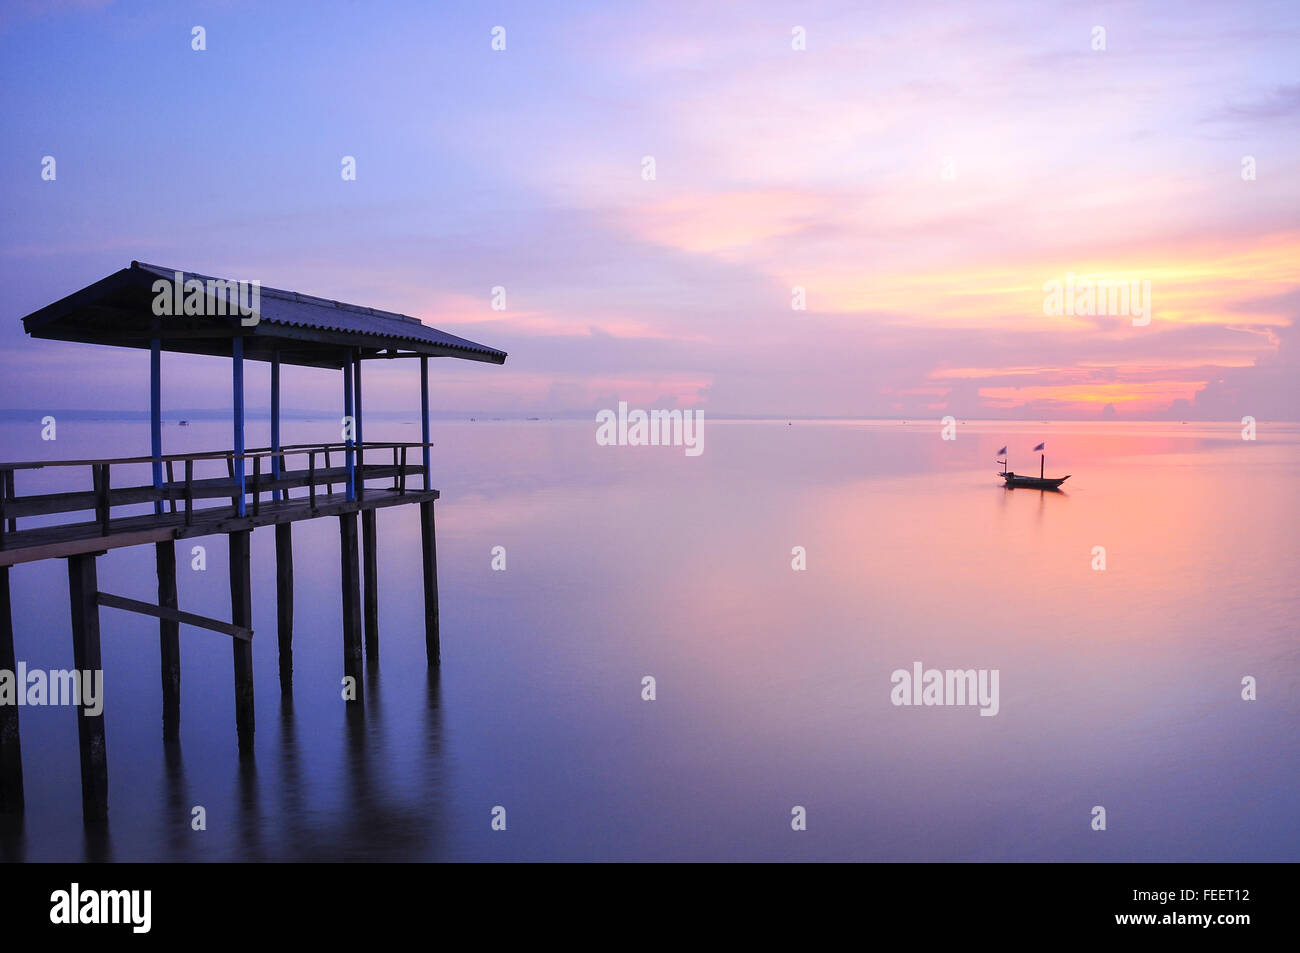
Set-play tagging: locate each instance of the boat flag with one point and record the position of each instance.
(1001, 452)
(1040, 446)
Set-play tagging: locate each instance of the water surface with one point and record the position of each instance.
(1118, 687)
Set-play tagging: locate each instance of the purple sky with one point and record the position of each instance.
(920, 171)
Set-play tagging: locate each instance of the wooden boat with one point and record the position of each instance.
(1032, 482)
(1039, 482)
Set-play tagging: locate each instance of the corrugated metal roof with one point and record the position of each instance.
(294, 309)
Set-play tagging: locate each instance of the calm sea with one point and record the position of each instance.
(1118, 688)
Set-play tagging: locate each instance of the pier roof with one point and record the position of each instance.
(119, 311)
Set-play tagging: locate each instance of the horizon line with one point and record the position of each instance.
(188, 413)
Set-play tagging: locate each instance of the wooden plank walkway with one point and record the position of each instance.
(71, 539)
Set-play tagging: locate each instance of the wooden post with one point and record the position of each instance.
(169, 640)
(350, 580)
(424, 419)
(11, 757)
(1042, 465)
(361, 440)
(189, 491)
(284, 602)
(103, 498)
(83, 592)
(371, 570)
(4, 495)
(10, 523)
(349, 456)
(237, 354)
(431, 638)
(311, 479)
(235, 494)
(155, 413)
(277, 463)
(257, 480)
(241, 613)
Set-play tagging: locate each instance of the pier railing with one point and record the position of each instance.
(267, 480)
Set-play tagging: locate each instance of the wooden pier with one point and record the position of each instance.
(184, 498)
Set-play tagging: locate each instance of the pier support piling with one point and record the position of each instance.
(169, 640)
(432, 645)
(83, 594)
(371, 570)
(350, 583)
(284, 602)
(241, 613)
(11, 757)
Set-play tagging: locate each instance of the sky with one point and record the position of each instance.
(922, 172)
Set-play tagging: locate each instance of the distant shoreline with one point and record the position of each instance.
(484, 416)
